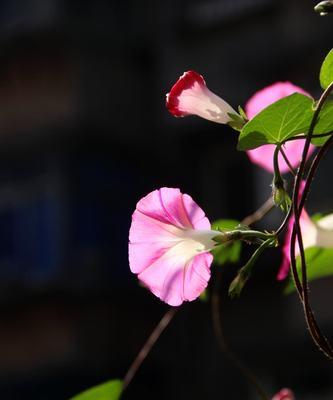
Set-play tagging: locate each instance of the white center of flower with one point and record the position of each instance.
(191, 242)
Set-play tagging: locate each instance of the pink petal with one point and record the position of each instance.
(162, 251)
(285, 263)
(190, 96)
(174, 280)
(165, 205)
(149, 239)
(284, 394)
(197, 276)
(195, 214)
(270, 94)
(263, 156)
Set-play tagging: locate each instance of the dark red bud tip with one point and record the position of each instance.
(186, 81)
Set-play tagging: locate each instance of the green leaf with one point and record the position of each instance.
(229, 252)
(110, 390)
(324, 123)
(319, 265)
(317, 217)
(281, 120)
(204, 296)
(326, 71)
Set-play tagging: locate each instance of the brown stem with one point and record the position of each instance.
(164, 322)
(216, 309)
(297, 206)
(287, 161)
(222, 342)
(260, 213)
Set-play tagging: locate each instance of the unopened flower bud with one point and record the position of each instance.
(191, 96)
(324, 7)
(238, 283)
(284, 394)
(281, 199)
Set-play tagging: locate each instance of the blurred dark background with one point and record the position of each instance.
(84, 134)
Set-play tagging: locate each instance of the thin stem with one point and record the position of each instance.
(284, 222)
(287, 161)
(260, 213)
(315, 332)
(256, 216)
(240, 234)
(295, 276)
(313, 169)
(278, 181)
(314, 136)
(244, 273)
(222, 342)
(164, 322)
(314, 329)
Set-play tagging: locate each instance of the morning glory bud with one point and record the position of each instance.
(324, 7)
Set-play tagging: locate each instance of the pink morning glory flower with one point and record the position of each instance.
(263, 156)
(284, 394)
(319, 234)
(169, 243)
(190, 96)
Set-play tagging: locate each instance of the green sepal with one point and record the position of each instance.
(228, 252)
(237, 121)
(242, 113)
(281, 199)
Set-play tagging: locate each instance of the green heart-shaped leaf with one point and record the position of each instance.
(281, 120)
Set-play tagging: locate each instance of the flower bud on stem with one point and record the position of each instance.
(324, 7)
(280, 196)
(244, 273)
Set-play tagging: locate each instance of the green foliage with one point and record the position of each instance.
(244, 273)
(281, 199)
(324, 123)
(204, 297)
(326, 71)
(276, 123)
(237, 121)
(319, 265)
(317, 217)
(110, 390)
(229, 252)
